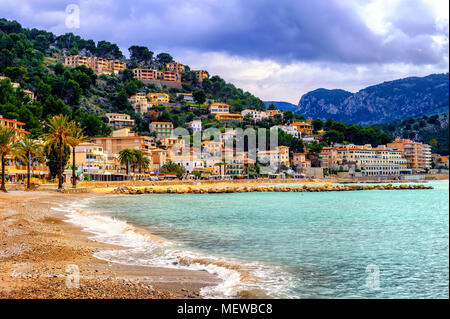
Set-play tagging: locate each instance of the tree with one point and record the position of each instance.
(317, 124)
(272, 107)
(333, 136)
(7, 136)
(172, 168)
(126, 157)
(163, 59)
(199, 96)
(140, 160)
(28, 150)
(76, 139)
(140, 54)
(58, 136)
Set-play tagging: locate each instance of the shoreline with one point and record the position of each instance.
(38, 245)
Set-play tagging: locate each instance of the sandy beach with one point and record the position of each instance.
(38, 249)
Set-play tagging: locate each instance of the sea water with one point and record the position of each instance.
(358, 244)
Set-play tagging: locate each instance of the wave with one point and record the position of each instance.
(140, 248)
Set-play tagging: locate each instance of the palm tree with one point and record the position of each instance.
(126, 157)
(77, 137)
(140, 161)
(59, 129)
(28, 150)
(7, 136)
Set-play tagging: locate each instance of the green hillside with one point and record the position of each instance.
(33, 59)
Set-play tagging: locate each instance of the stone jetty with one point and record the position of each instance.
(209, 189)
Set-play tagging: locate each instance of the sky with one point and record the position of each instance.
(276, 49)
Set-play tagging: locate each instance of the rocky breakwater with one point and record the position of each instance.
(210, 189)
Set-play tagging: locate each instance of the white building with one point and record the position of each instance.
(255, 115)
(196, 125)
(189, 163)
(292, 130)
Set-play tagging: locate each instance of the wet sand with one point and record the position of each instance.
(38, 250)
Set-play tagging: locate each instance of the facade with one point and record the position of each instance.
(196, 125)
(158, 98)
(379, 161)
(152, 75)
(278, 157)
(139, 103)
(255, 114)
(91, 159)
(292, 130)
(122, 139)
(305, 128)
(98, 65)
(16, 125)
(119, 120)
(201, 75)
(271, 113)
(228, 117)
(162, 129)
(418, 155)
(187, 97)
(219, 108)
(300, 161)
(175, 67)
(330, 158)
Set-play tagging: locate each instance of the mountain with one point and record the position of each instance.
(283, 106)
(395, 100)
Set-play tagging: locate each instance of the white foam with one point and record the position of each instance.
(141, 250)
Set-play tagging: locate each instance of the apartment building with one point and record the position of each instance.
(254, 114)
(175, 67)
(379, 161)
(147, 74)
(228, 117)
(162, 129)
(153, 75)
(171, 76)
(305, 128)
(139, 103)
(418, 155)
(271, 113)
(158, 98)
(212, 148)
(159, 157)
(119, 120)
(201, 75)
(277, 157)
(300, 161)
(219, 108)
(15, 169)
(124, 138)
(91, 159)
(98, 65)
(330, 158)
(16, 125)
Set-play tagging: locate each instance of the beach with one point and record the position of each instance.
(45, 234)
(38, 248)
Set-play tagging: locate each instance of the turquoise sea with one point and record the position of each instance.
(361, 244)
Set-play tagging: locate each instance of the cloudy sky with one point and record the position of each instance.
(275, 49)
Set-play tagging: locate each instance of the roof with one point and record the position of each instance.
(13, 121)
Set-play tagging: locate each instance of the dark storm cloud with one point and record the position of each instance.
(285, 31)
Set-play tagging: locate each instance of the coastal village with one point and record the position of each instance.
(99, 159)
